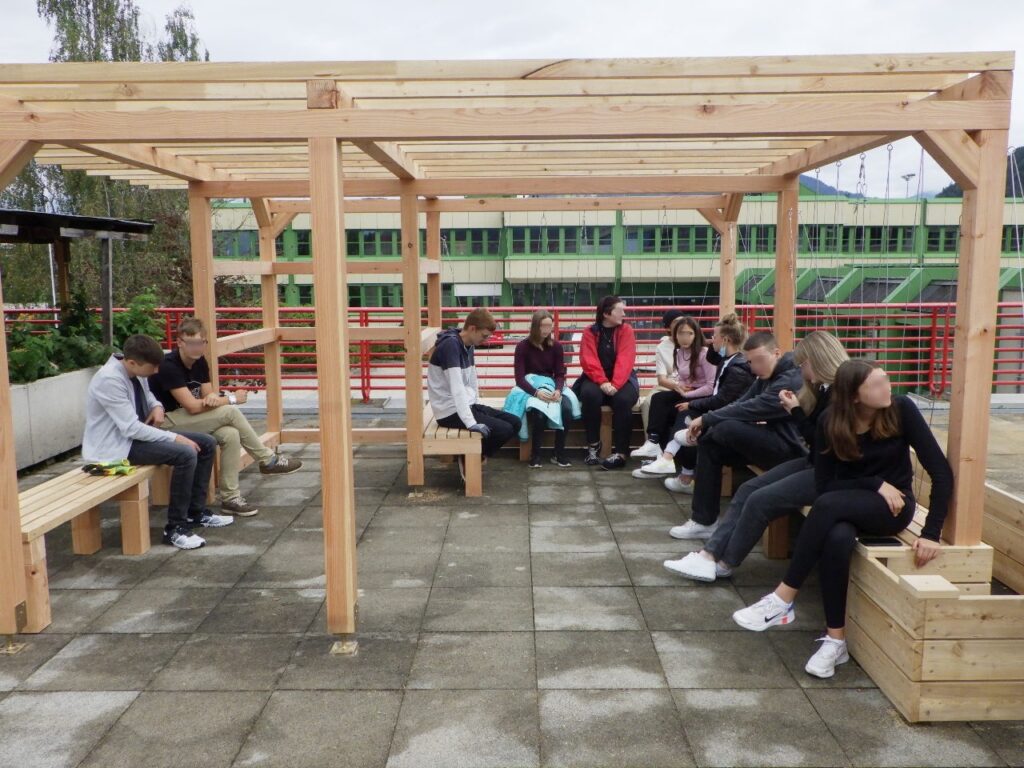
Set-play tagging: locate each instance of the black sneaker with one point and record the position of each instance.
(182, 537)
(562, 461)
(209, 520)
(615, 461)
(535, 461)
(593, 457)
(280, 465)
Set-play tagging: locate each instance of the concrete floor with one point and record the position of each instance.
(535, 626)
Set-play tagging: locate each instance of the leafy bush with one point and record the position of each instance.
(139, 317)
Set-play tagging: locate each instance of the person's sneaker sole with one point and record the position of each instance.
(687, 575)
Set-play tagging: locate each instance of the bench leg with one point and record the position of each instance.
(776, 539)
(37, 586)
(474, 475)
(135, 519)
(160, 486)
(86, 536)
(524, 449)
(606, 433)
(727, 478)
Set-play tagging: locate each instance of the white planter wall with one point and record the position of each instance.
(49, 415)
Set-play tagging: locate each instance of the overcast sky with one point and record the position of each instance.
(268, 30)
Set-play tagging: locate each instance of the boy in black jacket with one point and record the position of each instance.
(755, 429)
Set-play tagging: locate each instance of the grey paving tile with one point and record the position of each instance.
(721, 659)
(479, 609)
(74, 609)
(294, 560)
(384, 610)
(647, 569)
(597, 660)
(873, 733)
(410, 570)
(322, 729)
(171, 730)
(227, 663)
(650, 538)
(483, 569)
(1005, 739)
(498, 539)
(385, 540)
(578, 538)
(159, 610)
(467, 729)
(557, 494)
(37, 651)
(634, 493)
(663, 515)
(586, 608)
(109, 569)
(206, 568)
(30, 741)
(411, 517)
(756, 728)
(382, 663)
(105, 663)
(284, 611)
(567, 515)
(701, 607)
(599, 728)
(474, 660)
(579, 569)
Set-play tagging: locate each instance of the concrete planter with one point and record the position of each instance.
(49, 415)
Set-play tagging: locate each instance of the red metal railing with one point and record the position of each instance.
(913, 341)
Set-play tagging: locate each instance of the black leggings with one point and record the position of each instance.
(828, 537)
(539, 422)
(662, 416)
(622, 402)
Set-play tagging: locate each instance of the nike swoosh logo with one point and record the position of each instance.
(771, 618)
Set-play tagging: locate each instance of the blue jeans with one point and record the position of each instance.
(190, 472)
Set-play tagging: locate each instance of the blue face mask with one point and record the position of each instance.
(723, 351)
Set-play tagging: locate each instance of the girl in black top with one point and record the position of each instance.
(864, 476)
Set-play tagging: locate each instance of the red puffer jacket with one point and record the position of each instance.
(624, 341)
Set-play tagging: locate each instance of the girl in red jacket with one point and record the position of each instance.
(607, 355)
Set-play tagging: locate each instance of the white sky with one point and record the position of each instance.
(269, 30)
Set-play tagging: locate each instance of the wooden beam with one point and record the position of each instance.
(391, 157)
(200, 218)
(271, 317)
(507, 204)
(14, 156)
(412, 324)
(798, 118)
(261, 212)
(731, 207)
(152, 159)
(714, 218)
(240, 267)
(332, 342)
(236, 342)
(787, 234)
(955, 152)
(981, 232)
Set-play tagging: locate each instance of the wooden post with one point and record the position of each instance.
(107, 291)
(981, 231)
(434, 281)
(201, 237)
(727, 270)
(411, 321)
(332, 349)
(786, 234)
(268, 295)
(62, 255)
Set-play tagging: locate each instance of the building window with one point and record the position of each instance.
(684, 237)
(352, 241)
(552, 240)
(650, 240)
(570, 235)
(596, 240)
(388, 239)
(518, 240)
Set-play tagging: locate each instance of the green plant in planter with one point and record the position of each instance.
(139, 317)
(30, 356)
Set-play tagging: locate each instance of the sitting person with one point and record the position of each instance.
(865, 479)
(755, 429)
(122, 420)
(664, 355)
(732, 379)
(783, 489)
(607, 356)
(183, 387)
(540, 360)
(452, 386)
(691, 377)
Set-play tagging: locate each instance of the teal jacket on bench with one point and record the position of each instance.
(518, 403)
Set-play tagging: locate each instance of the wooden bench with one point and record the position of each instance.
(75, 496)
(446, 441)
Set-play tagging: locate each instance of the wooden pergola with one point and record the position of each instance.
(422, 137)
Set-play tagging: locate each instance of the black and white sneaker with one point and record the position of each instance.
(535, 462)
(615, 461)
(209, 520)
(183, 538)
(593, 457)
(562, 460)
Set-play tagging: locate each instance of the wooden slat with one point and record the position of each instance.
(237, 342)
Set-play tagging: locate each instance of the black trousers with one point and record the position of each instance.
(621, 403)
(661, 418)
(828, 537)
(503, 426)
(539, 422)
(730, 444)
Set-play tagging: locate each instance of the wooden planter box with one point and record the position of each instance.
(49, 415)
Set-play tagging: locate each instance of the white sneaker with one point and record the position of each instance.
(676, 485)
(182, 538)
(683, 437)
(766, 612)
(693, 566)
(639, 474)
(693, 530)
(660, 466)
(649, 450)
(823, 662)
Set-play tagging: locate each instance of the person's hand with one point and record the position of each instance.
(683, 405)
(556, 396)
(181, 439)
(680, 389)
(893, 497)
(211, 400)
(695, 428)
(608, 389)
(482, 429)
(925, 550)
(156, 417)
(241, 396)
(789, 400)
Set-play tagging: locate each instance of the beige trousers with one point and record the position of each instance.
(232, 431)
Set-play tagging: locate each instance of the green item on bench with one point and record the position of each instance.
(109, 468)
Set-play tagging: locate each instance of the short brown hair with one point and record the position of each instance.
(143, 349)
(480, 318)
(760, 339)
(191, 326)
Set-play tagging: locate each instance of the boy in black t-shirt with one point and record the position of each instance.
(183, 387)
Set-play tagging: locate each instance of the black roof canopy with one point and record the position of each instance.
(33, 227)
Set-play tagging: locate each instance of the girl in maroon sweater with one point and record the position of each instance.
(607, 355)
(540, 353)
